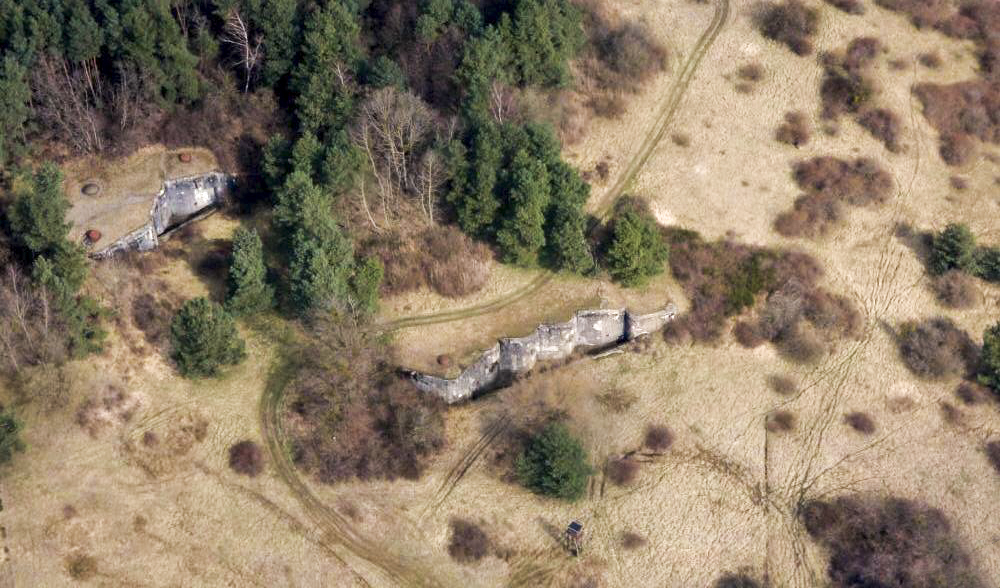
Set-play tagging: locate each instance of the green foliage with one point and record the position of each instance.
(14, 97)
(365, 284)
(204, 338)
(38, 213)
(300, 203)
(543, 35)
(320, 266)
(249, 291)
(954, 247)
(554, 463)
(636, 250)
(10, 436)
(279, 24)
(384, 72)
(749, 280)
(989, 361)
(434, 17)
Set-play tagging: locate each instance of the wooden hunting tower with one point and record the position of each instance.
(574, 537)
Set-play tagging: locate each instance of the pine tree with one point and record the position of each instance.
(249, 291)
(330, 44)
(320, 266)
(954, 247)
(14, 97)
(38, 214)
(204, 338)
(989, 372)
(554, 463)
(522, 233)
(10, 436)
(365, 283)
(637, 250)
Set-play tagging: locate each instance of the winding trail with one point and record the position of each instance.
(604, 205)
(334, 528)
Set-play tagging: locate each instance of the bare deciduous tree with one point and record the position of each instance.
(393, 130)
(65, 101)
(430, 177)
(501, 101)
(127, 95)
(248, 50)
(29, 329)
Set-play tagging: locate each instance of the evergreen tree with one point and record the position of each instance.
(472, 196)
(14, 97)
(987, 263)
(281, 32)
(299, 203)
(989, 372)
(954, 247)
(248, 288)
(204, 338)
(567, 240)
(522, 232)
(383, 72)
(320, 266)
(330, 44)
(10, 436)
(38, 213)
(365, 284)
(636, 251)
(544, 35)
(554, 463)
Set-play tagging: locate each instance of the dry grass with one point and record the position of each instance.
(971, 393)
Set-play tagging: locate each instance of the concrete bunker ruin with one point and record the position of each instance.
(500, 364)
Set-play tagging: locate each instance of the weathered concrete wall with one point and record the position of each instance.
(177, 201)
(498, 365)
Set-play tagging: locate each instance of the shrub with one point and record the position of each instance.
(204, 338)
(791, 23)
(10, 436)
(844, 90)
(795, 130)
(246, 458)
(622, 472)
(993, 454)
(930, 60)
(636, 250)
(658, 438)
(802, 345)
(987, 264)
(554, 463)
(960, 112)
(152, 317)
(888, 542)
(848, 6)
(989, 374)
(955, 289)
(884, 125)
(972, 393)
(783, 385)
(953, 248)
(780, 421)
(248, 288)
(739, 580)
(632, 540)
(936, 348)
(748, 335)
(860, 422)
(468, 543)
(81, 567)
(751, 72)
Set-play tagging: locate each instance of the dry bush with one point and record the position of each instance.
(955, 289)
(848, 6)
(751, 72)
(622, 472)
(846, 85)
(884, 125)
(783, 385)
(617, 400)
(247, 458)
(441, 257)
(961, 112)
(680, 139)
(993, 454)
(780, 421)
(658, 438)
(959, 183)
(748, 335)
(802, 345)
(972, 393)
(936, 348)
(951, 414)
(860, 422)
(81, 567)
(632, 540)
(350, 415)
(930, 60)
(829, 181)
(737, 580)
(152, 316)
(795, 130)
(109, 407)
(832, 313)
(468, 543)
(888, 542)
(791, 23)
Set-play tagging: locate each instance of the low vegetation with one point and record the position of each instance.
(622, 471)
(888, 542)
(993, 454)
(632, 540)
(849, 6)
(829, 183)
(972, 393)
(989, 370)
(555, 464)
(936, 348)
(658, 438)
(10, 436)
(795, 130)
(783, 385)
(955, 255)
(780, 421)
(468, 542)
(955, 289)
(791, 23)
(860, 422)
(204, 338)
(737, 580)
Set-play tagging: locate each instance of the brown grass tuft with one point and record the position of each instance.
(751, 72)
(783, 385)
(849, 6)
(972, 393)
(956, 289)
(658, 438)
(632, 540)
(622, 472)
(738, 580)
(246, 458)
(936, 348)
(930, 60)
(81, 567)
(780, 421)
(993, 454)
(884, 125)
(795, 130)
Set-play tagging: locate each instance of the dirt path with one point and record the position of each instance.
(603, 205)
